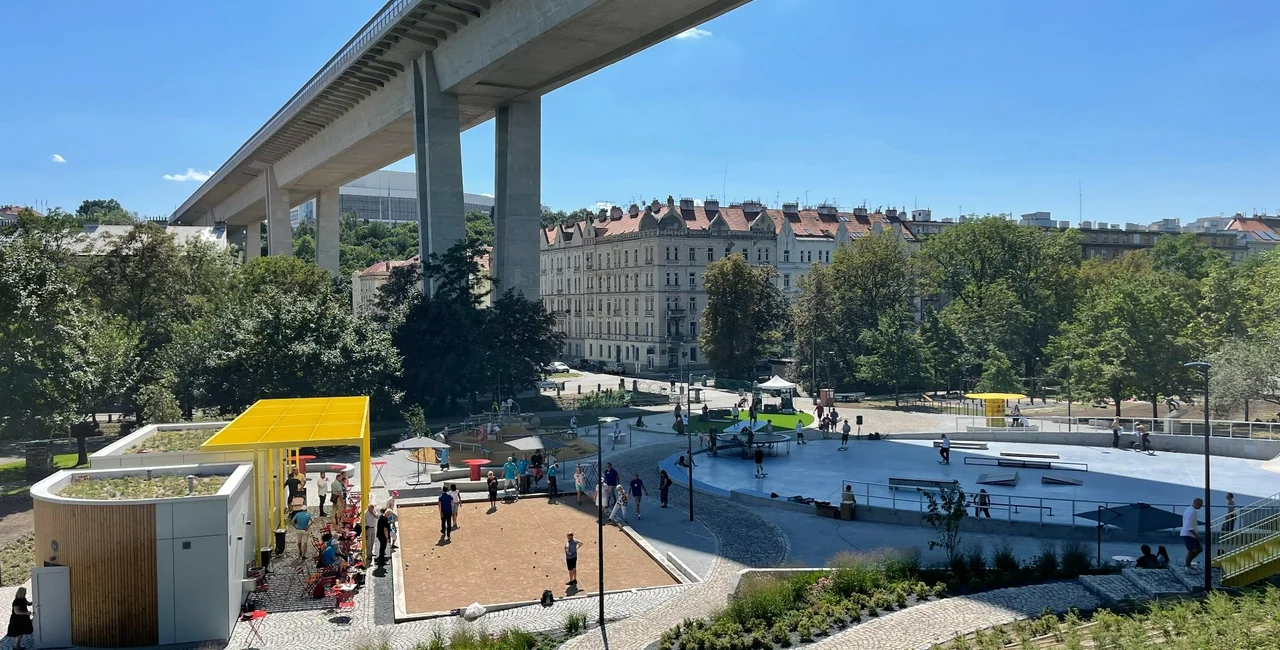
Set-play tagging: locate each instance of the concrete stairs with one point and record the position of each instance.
(1112, 588)
(1145, 584)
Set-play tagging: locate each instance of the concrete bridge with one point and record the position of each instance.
(410, 81)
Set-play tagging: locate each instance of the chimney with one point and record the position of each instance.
(790, 208)
(826, 210)
(686, 204)
(655, 206)
(857, 212)
(615, 213)
(711, 205)
(751, 207)
(634, 210)
(891, 213)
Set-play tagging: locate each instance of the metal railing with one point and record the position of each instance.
(372, 31)
(1129, 426)
(1042, 510)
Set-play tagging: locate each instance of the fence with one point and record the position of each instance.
(1043, 510)
(1178, 426)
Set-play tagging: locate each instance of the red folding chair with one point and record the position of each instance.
(254, 619)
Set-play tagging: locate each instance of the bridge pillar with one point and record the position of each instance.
(253, 240)
(327, 230)
(437, 150)
(517, 201)
(279, 230)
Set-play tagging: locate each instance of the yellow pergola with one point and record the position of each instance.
(274, 429)
(995, 405)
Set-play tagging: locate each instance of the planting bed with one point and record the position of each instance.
(139, 487)
(173, 440)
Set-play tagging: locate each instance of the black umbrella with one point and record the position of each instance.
(1138, 517)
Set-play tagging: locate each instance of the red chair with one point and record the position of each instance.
(254, 619)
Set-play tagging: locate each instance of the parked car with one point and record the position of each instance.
(556, 367)
(615, 368)
(584, 364)
(550, 384)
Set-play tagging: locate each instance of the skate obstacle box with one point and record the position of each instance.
(1028, 454)
(998, 479)
(961, 444)
(1053, 479)
(927, 483)
(1026, 464)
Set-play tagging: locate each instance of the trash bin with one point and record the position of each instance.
(265, 552)
(524, 484)
(847, 511)
(280, 542)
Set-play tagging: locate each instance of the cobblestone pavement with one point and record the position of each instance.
(744, 539)
(933, 622)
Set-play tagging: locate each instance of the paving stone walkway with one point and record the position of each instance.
(936, 621)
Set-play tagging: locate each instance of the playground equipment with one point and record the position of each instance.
(994, 406)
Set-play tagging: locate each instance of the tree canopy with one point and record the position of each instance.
(744, 317)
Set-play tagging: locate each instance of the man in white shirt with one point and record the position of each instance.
(944, 450)
(1189, 535)
(322, 486)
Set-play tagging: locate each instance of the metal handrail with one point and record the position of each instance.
(1155, 426)
(1272, 503)
(372, 31)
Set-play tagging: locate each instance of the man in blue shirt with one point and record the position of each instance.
(301, 524)
(611, 482)
(328, 553)
(509, 474)
(446, 515)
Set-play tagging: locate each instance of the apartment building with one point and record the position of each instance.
(627, 286)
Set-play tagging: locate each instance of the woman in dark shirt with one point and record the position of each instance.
(20, 618)
(664, 487)
(493, 491)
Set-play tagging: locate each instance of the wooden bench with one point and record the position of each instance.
(1027, 454)
(962, 444)
(936, 484)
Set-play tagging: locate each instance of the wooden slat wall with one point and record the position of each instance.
(111, 553)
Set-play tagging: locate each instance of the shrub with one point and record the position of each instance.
(901, 564)
(939, 589)
(974, 560)
(576, 623)
(1003, 559)
(900, 597)
(766, 601)
(780, 635)
(1046, 562)
(1076, 559)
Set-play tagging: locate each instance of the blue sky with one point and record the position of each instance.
(1157, 108)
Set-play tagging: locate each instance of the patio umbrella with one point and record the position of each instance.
(419, 442)
(1138, 517)
(533, 443)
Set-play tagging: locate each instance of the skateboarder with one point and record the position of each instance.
(760, 463)
(844, 436)
(945, 450)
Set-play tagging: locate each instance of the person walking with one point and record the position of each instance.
(571, 547)
(1229, 524)
(446, 515)
(945, 450)
(492, 484)
(383, 535)
(294, 485)
(1115, 433)
(553, 487)
(712, 440)
(637, 490)
(664, 487)
(579, 482)
(844, 436)
(983, 505)
(619, 511)
(611, 482)
(1189, 534)
(20, 624)
(760, 463)
(301, 529)
(322, 488)
(799, 432)
(457, 503)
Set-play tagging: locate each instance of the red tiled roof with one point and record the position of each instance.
(805, 223)
(14, 210)
(386, 267)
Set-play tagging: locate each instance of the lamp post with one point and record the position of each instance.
(1203, 367)
(1068, 393)
(688, 433)
(600, 497)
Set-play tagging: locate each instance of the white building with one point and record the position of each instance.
(627, 286)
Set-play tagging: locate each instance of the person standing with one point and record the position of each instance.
(611, 481)
(492, 484)
(664, 487)
(20, 618)
(637, 489)
(619, 512)
(1229, 524)
(336, 494)
(509, 474)
(1115, 432)
(712, 440)
(322, 488)
(383, 535)
(759, 463)
(553, 488)
(735, 412)
(446, 514)
(301, 529)
(984, 504)
(944, 450)
(370, 526)
(799, 432)
(457, 503)
(1190, 536)
(294, 485)
(579, 482)
(844, 435)
(571, 547)
(818, 412)
(573, 424)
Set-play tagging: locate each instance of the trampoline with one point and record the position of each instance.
(767, 441)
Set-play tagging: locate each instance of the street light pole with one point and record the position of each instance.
(1204, 366)
(600, 497)
(1068, 393)
(688, 433)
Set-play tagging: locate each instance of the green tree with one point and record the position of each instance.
(104, 211)
(942, 350)
(480, 227)
(1186, 256)
(520, 338)
(893, 354)
(816, 336)
(283, 273)
(415, 420)
(553, 218)
(998, 375)
(947, 511)
(1244, 370)
(157, 404)
(742, 321)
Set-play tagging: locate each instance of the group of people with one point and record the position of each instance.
(1160, 560)
(450, 505)
(1143, 442)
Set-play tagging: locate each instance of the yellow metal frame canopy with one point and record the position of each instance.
(272, 427)
(996, 396)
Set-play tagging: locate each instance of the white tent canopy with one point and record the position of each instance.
(777, 383)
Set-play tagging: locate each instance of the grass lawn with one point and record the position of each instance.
(13, 476)
(566, 375)
(139, 487)
(781, 423)
(17, 557)
(175, 440)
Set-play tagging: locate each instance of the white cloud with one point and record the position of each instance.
(693, 33)
(58, 159)
(486, 194)
(190, 175)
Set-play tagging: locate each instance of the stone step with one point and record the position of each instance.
(1193, 578)
(1155, 583)
(1112, 588)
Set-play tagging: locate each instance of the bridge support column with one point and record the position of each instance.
(327, 230)
(517, 198)
(279, 230)
(253, 240)
(437, 150)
